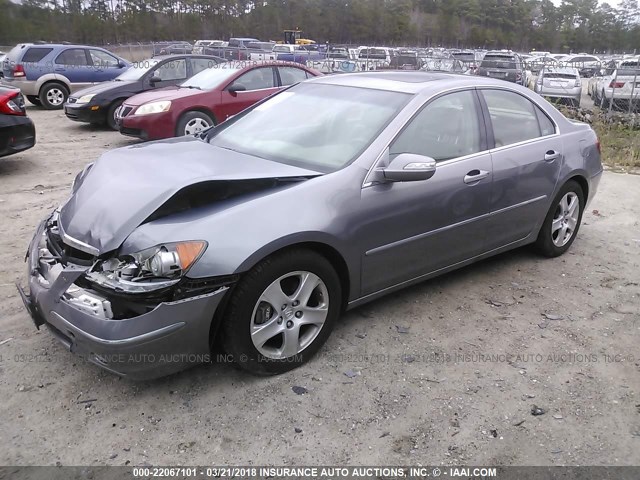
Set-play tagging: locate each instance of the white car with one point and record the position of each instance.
(586, 64)
(618, 81)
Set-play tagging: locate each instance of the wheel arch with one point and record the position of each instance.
(329, 252)
(582, 181)
(196, 108)
(48, 79)
(201, 109)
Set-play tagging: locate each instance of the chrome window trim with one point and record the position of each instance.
(367, 183)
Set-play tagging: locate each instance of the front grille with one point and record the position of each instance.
(72, 100)
(125, 111)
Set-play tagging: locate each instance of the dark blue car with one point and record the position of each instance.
(47, 73)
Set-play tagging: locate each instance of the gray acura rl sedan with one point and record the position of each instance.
(256, 234)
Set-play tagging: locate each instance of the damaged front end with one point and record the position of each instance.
(137, 315)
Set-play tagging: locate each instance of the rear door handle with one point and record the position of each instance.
(551, 155)
(474, 176)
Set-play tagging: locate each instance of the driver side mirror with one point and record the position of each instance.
(121, 64)
(235, 88)
(155, 78)
(409, 167)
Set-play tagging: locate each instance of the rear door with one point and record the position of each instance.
(259, 83)
(75, 65)
(526, 160)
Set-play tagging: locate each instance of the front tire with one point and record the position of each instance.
(53, 95)
(111, 115)
(193, 122)
(562, 222)
(281, 312)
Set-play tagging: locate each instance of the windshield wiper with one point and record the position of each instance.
(190, 86)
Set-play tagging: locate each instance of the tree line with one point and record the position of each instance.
(573, 25)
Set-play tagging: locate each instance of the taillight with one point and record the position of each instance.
(518, 75)
(616, 84)
(11, 103)
(578, 82)
(18, 71)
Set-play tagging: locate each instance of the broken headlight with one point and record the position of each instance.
(148, 270)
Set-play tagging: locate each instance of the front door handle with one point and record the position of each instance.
(551, 155)
(474, 176)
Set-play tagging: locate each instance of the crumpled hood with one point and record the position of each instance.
(125, 186)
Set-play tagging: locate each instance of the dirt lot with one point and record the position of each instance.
(445, 372)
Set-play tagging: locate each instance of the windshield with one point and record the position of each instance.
(137, 70)
(499, 61)
(301, 127)
(210, 78)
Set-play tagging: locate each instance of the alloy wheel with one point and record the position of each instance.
(289, 315)
(565, 219)
(55, 96)
(196, 125)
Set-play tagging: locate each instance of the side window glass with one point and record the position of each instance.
(102, 59)
(446, 128)
(291, 75)
(546, 125)
(172, 70)
(257, 79)
(200, 64)
(513, 117)
(72, 56)
(35, 54)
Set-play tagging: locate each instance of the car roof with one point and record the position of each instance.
(407, 81)
(183, 55)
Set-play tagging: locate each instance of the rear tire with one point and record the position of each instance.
(34, 100)
(111, 112)
(193, 122)
(273, 324)
(562, 222)
(53, 95)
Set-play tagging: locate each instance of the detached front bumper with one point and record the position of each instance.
(169, 338)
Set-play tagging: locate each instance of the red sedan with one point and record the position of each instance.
(206, 99)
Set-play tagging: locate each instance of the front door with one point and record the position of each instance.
(258, 83)
(416, 228)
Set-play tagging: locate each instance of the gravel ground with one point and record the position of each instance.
(446, 372)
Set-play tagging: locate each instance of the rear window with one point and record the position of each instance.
(499, 61)
(565, 76)
(35, 54)
(629, 68)
(374, 53)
